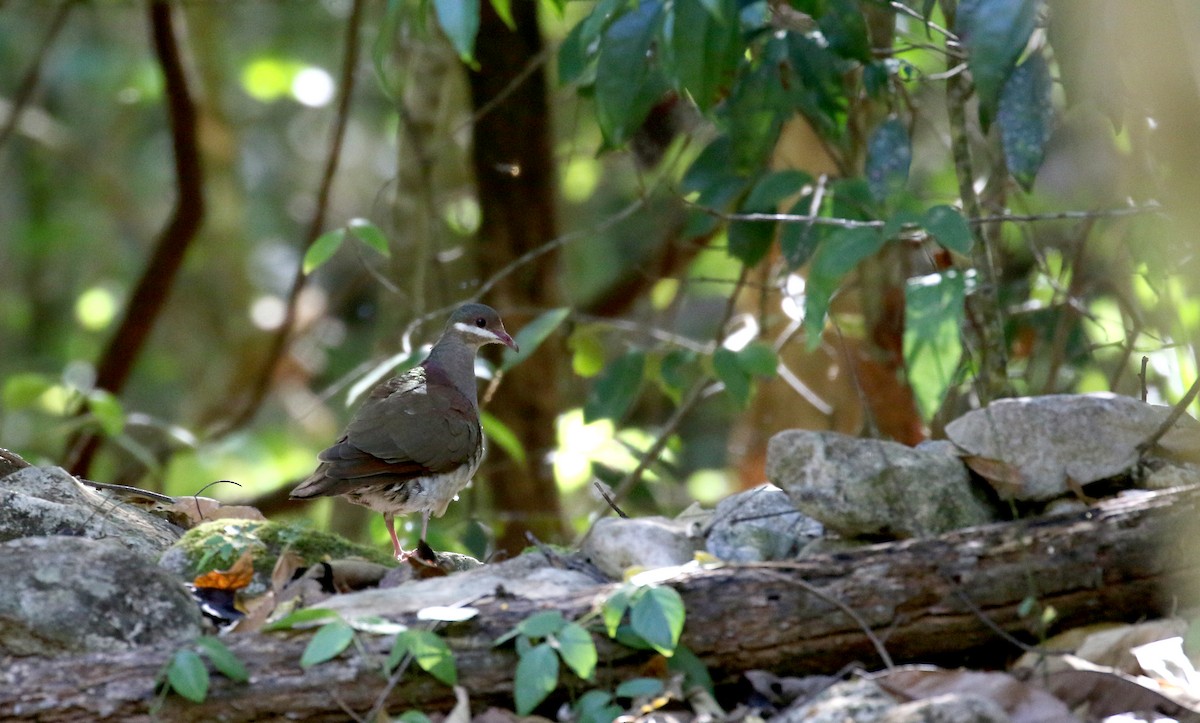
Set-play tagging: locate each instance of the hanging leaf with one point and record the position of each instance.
(460, 21)
(106, 410)
(737, 380)
(428, 651)
(623, 69)
(187, 675)
(889, 155)
(759, 359)
(616, 388)
(835, 257)
(844, 27)
(327, 643)
(933, 314)
(222, 659)
(531, 336)
(657, 615)
(639, 688)
(503, 436)
(370, 234)
(323, 249)
(949, 228)
(994, 34)
(705, 47)
(1024, 118)
(536, 677)
(577, 649)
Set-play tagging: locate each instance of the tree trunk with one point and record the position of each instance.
(514, 172)
(924, 600)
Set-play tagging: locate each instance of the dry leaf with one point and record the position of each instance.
(236, 577)
(1023, 702)
(1004, 477)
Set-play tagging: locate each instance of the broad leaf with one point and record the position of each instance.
(693, 668)
(536, 677)
(737, 380)
(305, 618)
(503, 436)
(531, 336)
(614, 607)
(759, 359)
(596, 706)
(188, 676)
(222, 659)
(577, 649)
(587, 357)
(705, 47)
(106, 410)
(949, 228)
(749, 241)
(370, 234)
(323, 249)
(539, 625)
(639, 688)
(933, 314)
(1024, 118)
(503, 9)
(616, 388)
(428, 651)
(327, 643)
(756, 108)
(889, 155)
(657, 615)
(460, 21)
(622, 71)
(835, 257)
(994, 33)
(844, 27)
(22, 390)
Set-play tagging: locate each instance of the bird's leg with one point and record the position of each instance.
(390, 521)
(424, 524)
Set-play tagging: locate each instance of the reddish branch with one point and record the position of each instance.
(150, 295)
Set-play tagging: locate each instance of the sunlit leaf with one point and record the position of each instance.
(503, 436)
(107, 411)
(1024, 117)
(188, 676)
(222, 659)
(994, 34)
(536, 677)
(657, 615)
(428, 651)
(616, 388)
(889, 155)
(949, 228)
(614, 608)
(835, 257)
(933, 314)
(503, 9)
(327, 643)
(23, 390)
(323, 249)
(531, 336)
(460, 21)
(306, 618)
(370, 234)
(577, 649)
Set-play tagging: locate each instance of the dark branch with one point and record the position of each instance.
(30, 80)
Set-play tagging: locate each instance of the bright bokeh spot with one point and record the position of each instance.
(581, 444)
(96, 308)
(580, 179)
(708, 486)
(313, 87)
(267, 312)
(462, 215)
(268, 79)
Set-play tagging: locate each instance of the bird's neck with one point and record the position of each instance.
(457, 362)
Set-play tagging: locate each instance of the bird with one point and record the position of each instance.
(416, 440)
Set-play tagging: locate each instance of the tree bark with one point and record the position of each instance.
(514, 172)
(925, 600)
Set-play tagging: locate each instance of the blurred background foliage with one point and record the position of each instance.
(982, 198)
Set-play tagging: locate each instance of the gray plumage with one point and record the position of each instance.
(416, 441)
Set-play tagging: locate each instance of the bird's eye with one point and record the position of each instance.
(481, 322)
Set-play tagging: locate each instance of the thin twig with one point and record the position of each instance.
(608, 498)
(991, 624)
(1142, 377)
(973, 221)
(29, 82)
(278, 344)
(1176, 412)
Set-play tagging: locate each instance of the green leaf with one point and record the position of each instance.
(531, 336)
(187, 675)
(898, 220)
(759, 359)
(24, 389)
(587, 357)
(657, 615)
(536, 677)
(503, 436)
(705, 47)
(844, 27)
(614, 608)
(994, 34)
(428, 651)
(323, 249)
(107, 411)
(539, 625)
(933, 315)
(1024, 117)
(623, 69)
(503, 8)
(677, 369)
(949, 228)
(797, 241)
(756, 109)
(736, 379)
(222, 659)
(301, 619)
(694, 670)
(413, 716)
(370, 234)
(835, 257)
(460, 21)
(639, 688)
(574, 59)
(328, 642)
(616, 388)
(889, 155)
(596, 706)
(774, 188)
(577, 649)
(749, 241)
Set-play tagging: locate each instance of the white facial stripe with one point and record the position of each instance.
(475, 331)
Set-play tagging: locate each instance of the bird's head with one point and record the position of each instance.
(479, 324)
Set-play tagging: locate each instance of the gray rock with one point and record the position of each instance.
(37, 501)
(948, 708)
(71, 595)
(872, 488)
(615, 544)
(759, 524)
(859, 700)
(1030, 447)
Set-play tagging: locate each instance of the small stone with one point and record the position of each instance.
(948, 708)
(760, 524)
(616, 544)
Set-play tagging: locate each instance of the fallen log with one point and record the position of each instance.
(941, 598)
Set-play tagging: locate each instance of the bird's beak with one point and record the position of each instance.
(507, 341)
